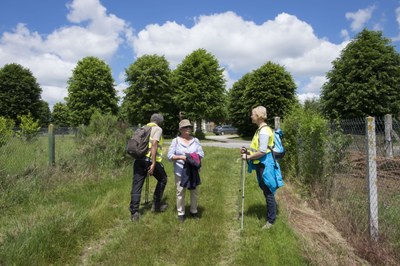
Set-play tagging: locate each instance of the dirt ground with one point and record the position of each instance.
(323, 244)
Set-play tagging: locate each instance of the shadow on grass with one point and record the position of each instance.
(259, 210)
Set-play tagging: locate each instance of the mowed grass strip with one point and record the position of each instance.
(88, 222)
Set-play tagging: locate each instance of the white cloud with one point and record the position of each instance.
(52, 58)
(315, 84)
(360, 18)
(307, 96)
(345, 34)
(241, 46)
(238, 44)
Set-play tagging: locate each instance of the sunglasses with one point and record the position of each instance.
(187, 127)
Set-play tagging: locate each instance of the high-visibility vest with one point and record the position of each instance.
(255, 144)
(159, 148)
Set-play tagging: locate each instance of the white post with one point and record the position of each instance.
(277, 122)
(372, 177)
(388, 136)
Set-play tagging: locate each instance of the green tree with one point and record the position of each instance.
(19, 92)
(270, 86)
(149, 92)
(364, 80)
(238, 108)
(60, 115)
(91, 88)
(44, 114)
(200, 87)
(29, 127)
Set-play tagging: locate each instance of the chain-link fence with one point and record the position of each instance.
(365, 189)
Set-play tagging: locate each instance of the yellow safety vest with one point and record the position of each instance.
(159, 148)
(255, 143)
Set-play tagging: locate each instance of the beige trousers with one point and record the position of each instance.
(180, 197)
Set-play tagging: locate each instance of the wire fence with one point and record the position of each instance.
(19, 156)
(365, 190)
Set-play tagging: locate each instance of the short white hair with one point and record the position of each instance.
(261, 112)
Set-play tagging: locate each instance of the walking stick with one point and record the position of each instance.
(147, 190)
(243, 181)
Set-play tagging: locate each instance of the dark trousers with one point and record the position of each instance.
(140, 168)
(269, 197)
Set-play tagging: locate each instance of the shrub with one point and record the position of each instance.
(29, 127)
(6, 130)
(103, 141)
(200, 135)
(306, 132)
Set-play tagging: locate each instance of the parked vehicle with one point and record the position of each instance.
(225, 129)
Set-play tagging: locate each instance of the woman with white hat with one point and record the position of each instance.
(182, 151)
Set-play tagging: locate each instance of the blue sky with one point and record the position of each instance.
(50, 36)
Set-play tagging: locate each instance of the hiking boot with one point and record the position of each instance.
(159, 208)
(135, 217)
(181, 218)
(194, 215)
(268, 225)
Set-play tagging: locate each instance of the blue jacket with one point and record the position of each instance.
(272, 176)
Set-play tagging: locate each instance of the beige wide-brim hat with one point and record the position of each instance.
(184, 123)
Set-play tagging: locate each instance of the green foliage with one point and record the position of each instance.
(44, 114)
(200, 134)
(150, 92)
(60, 115)
(239, 112)
(29, 127)
(102, 143)
(6, 130)
(19, 92)
(200, 87)
(306, 134)
(91, 88)
(364, 80)
(270, 86)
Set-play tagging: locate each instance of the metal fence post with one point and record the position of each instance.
(372, 177)
(277, 122)
(52, 157)
(388, 136)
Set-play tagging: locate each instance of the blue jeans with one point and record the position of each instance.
(140, 168)
(269, 197)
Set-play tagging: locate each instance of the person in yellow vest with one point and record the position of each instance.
(150, 164)
(260, 159)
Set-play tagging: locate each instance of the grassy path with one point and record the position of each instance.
(88, 223)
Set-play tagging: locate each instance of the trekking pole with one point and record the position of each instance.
(239, 196)
(147, 190)
(243, 181)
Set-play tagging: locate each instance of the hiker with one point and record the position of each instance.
(150, 164)
(186, 152)
(261, 160)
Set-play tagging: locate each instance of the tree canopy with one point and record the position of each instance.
(270, 86)
(149, 91)
(91, 88)
(19, 93)
(60, 115)
(200, 87)
(364, 80)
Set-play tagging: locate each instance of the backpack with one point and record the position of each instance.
(278, 151)
(138, 144)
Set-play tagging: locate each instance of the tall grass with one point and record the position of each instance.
(86, 221)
